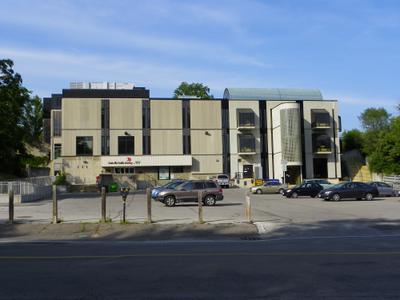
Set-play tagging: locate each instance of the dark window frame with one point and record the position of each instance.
(80, 140)
(126, 141)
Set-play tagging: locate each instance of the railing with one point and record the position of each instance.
(27, 189)
(394, 180)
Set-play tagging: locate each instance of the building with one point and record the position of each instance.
(249, 133)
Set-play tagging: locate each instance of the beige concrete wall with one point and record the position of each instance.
(69, 141)
(206, 141)
(207, 165)
(81, 113)
(166, 142)
(115, 133)
(308, 106)
(205, 114)
(82, 170)
(125, 113)
(166, 114)
(255, 160)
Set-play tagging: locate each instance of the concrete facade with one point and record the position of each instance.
(246, 138)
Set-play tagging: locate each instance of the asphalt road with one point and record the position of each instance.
(315, 268)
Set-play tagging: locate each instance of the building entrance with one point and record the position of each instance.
(320, 167)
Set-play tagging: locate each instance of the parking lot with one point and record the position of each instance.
(265, 208)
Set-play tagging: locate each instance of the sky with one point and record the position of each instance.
(348, 49)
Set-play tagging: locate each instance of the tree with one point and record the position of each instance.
(374, 119)
(352, 140)
(33, 120)
(193, 89)
(13, 100)
(386, 157)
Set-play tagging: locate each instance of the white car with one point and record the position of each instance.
(223, 180)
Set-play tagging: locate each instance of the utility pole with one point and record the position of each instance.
(103, 204)
(148, 198)
(200, 205)
(248, 208)
(55, 205)
(10, 204)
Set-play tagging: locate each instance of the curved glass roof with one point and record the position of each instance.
(272, 94)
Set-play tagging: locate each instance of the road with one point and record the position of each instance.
(306, 268)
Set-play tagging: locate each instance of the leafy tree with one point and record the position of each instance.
(33, 120)
(386, 157)
(13, 100)
(352, 140)
(193, 89)
(374, 119)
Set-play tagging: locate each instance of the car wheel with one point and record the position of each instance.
(209, 200)
(369, 197)
(336, 197)
(294, 195)
(169, 201)
(259, 191)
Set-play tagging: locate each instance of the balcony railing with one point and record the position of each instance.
(322, 149)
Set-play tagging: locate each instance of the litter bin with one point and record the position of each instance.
(113, 187)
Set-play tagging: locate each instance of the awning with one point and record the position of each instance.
(146, 161)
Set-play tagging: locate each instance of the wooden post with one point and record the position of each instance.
(200, 204)
(103, 204)
(148, 197)
(55, 205)
(248, 208)
(10, 204)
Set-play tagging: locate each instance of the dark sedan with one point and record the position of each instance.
(349, 190)
(310, 189)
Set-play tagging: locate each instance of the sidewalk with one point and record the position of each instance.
(124, 232)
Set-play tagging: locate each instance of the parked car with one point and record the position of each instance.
(323, 182)
(384, 189)
(188, 192)
(223, 180)
(269, 187)
(349, 190)
(310, 189)
(170, 185)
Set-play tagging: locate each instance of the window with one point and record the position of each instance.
(177, 169)
(163, 173)
(84, 145)
(198, 186)
(320, 119)
(56, 123)
(246, 119)
(126, 145)
(210, 185)
(188, 186)
(124, 170)
(247, 143)
(57, 151)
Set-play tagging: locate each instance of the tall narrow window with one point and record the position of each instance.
(146, 145)
(57, 151)
(186, 126)
(105, 127)
(126, 145)
(56, 122)
(84, 146)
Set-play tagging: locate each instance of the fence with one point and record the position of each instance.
(27, 189)
(393, 180)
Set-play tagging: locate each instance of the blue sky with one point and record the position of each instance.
(348, 49)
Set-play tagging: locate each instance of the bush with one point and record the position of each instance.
(61, 179)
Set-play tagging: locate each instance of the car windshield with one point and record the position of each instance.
(222, 177)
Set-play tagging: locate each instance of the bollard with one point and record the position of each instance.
(148, 197)
(55, 205)
(103, 204)
(200, 204)
(248, 208)
(124, 209)
(11, 206)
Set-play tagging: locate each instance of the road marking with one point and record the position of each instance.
(197, 254)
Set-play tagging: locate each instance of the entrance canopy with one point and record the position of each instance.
(146, 161)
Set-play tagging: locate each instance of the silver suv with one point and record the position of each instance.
(188, 192)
